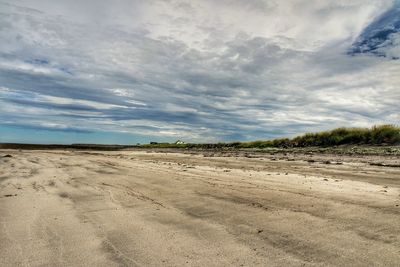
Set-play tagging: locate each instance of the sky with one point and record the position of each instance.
(130, 71)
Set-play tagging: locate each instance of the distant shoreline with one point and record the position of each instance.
(337, 141)
(349, 150)
(59, 146)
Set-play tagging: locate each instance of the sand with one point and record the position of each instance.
(135, 208)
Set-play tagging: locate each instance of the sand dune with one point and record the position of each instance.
(133, 208)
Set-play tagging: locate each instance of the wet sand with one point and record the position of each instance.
(135, 208)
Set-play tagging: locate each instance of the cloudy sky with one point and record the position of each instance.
(128, 71)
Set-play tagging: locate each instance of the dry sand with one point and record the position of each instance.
(132, 208)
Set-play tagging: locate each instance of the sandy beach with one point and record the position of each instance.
(141, 208)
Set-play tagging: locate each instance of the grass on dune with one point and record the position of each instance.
(377, 135)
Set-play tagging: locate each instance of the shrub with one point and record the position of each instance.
(385, 134)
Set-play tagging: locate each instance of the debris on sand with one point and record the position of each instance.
(10, 195)
(63, 195)
(7, 156)
(385, 165)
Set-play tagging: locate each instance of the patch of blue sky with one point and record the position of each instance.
(38, 61)
(42, 135)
